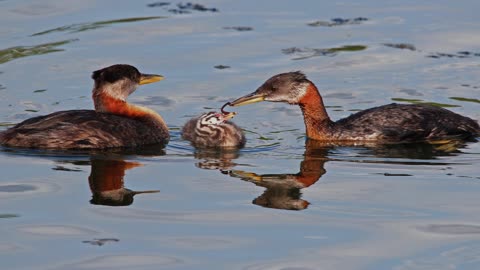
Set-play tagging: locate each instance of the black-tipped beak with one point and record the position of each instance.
(248, 99)
(229, 115)
(150, 78)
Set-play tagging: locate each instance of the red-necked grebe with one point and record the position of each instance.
(392, 123)
(113, 123)
(213, 130)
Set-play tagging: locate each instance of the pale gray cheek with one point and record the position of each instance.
(277, 98)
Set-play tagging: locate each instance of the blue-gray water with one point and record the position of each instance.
(349, 207)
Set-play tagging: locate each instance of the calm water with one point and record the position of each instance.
(279, 203)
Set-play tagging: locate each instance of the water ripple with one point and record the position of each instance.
(124, 261)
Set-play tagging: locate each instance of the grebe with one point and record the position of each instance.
(212, 129)
(392, 123)
(113, 123)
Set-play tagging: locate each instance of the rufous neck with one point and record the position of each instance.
(317, 122)
(107, 104)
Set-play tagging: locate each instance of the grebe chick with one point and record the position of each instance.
(113, 123)
(212, 129)
(393, 123)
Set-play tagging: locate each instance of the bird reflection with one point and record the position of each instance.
(107, 185)
(212, 159)
(283, 191)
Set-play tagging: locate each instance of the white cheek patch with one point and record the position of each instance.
(120, 89)
(298, 92)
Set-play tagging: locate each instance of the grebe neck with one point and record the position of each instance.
(317, 122)
(105, 103)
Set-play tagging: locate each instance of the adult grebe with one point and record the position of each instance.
(213, 130)
(113, 123)
(393, 123)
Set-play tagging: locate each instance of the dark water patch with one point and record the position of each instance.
(339, 96)
(17, 188)
(157, 100)
(221, 67)
(158, 4)
(63, 168)
(451, 229)
(9, 215)
(419, 101)
(182, 8)
(195, 7)
(80, 27)
(12, 53)
(338, 22)
(305, 53)
(460, 54)
(395, 174)
(39, 91)
(466, 99)
(470, 86)
(411, 92)
(238, 28)
(2, 87)
(100, 242)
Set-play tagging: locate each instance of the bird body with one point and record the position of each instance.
(114, 122)
(393, 123)
(213, 130)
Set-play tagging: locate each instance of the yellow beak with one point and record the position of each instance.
(150, 78)
(248, 99)
(229, 115)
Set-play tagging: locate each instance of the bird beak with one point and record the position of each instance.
(150, 78)
(229, 115)
(248, 99)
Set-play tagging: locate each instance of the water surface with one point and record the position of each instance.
(280, 203)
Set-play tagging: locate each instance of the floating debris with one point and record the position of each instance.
(466, 99)
(221, 67)
(80, 27)
(39, 90)
(13, 53)
(338, 22)
(306, 53)
(239, 28)
(403, 46)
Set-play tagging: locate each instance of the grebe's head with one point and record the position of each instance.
(215, 118)
(120, 80)
(285, 87)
